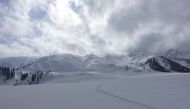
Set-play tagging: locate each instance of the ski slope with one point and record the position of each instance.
(96, 90)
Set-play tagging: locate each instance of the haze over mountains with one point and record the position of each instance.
(170, 61)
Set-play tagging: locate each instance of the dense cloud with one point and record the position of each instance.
(168, 20)
(45, 27)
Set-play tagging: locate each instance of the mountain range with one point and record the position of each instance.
(170, 61)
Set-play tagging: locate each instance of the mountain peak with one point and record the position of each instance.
(175, 53)
(90, 57)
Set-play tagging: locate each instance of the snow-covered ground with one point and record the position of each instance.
(96, 90)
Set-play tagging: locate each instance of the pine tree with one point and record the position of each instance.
(24, 76)
(33, 77)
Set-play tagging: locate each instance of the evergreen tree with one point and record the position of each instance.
(33, 77)
(24, 76)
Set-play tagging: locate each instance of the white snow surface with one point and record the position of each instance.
(101, 90)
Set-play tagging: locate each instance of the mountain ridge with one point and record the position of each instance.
(70, 62)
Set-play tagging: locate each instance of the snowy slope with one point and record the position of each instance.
(134, 61)
(180, 56)
(91, 57)
(68, 62)
(145, 91)
(184, 62)
(64, 62)
(163, 64)
(177, 53)
(96, 63)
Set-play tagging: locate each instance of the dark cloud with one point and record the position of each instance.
(127, 20)
(149, 43)
(97, 40)
(168, 18)
(166, 12)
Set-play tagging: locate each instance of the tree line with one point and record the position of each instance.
(28, 78)
(7, 72)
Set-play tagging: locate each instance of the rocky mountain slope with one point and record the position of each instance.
(170, 61)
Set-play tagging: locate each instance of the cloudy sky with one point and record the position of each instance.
(45, 27)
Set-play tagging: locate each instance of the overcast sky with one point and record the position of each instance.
(45, 27)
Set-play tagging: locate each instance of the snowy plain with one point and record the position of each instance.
(97, 90)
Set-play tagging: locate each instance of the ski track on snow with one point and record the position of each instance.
(122, 99)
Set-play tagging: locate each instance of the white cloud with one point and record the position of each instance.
(43, 27)
(61, 14)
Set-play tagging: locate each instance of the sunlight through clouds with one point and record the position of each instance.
(46, 27)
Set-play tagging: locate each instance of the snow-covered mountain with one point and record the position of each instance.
(17, 62)
(171, 60)
(64, 62)
(177, 53)
(163, 64)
